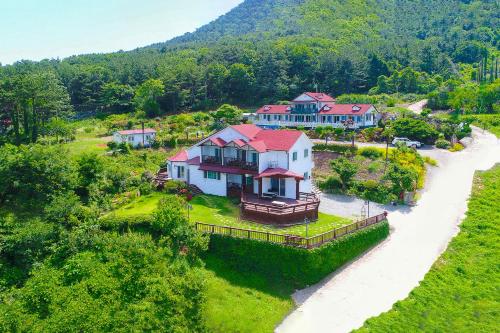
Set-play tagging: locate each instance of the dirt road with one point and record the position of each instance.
(374, 282)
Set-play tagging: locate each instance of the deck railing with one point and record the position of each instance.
(291, 240)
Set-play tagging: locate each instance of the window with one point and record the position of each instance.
(306, 153)
(306, 175)
(294, 156)
(131, 138)
(180, 172)
(253, 157)
(329, 119)
(336, 119)
(276, 117)
(211, 175)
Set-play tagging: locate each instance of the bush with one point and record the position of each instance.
(456, 147)
(373, 191)
(121, 224)
(415, 129)
(430, 161)
(371, 153)
(332, 184)
(296, 266)
(112, 145)
(336, 148)
(443, 144)
(174, 186)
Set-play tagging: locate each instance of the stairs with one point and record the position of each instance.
(195, 190)
(315, 189)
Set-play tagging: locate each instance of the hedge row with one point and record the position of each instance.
(140, 223)
(299, 267)
(336, 148)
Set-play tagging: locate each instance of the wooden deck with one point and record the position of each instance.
(292, 212)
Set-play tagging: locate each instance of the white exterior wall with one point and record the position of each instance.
(134, 139)
(273, 159)
(172, 170)
(302, 164)
(208, 186)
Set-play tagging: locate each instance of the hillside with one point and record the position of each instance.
(265, 51)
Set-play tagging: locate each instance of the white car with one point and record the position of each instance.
(407, 142)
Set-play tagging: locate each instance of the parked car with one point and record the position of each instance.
(407, 142)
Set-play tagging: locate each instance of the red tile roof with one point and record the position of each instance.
(278, 172)
(194, 161)
(248, 130)
(278, 139)
(239, 142)
(137, 131)
(275, 109)
(218, 141)
(320, 97)
(258, 145)
(181, 156)
(345, 109)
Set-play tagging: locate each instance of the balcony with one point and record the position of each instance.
(208, 159)
(237, 163)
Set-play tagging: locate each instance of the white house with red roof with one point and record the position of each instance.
(248, 159)
(135, 137)
(312, 110)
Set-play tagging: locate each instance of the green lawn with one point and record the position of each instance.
(461, 291)
(221, 211)
(238, 302)
(84, 142)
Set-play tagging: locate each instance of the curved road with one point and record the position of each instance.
(371, 284)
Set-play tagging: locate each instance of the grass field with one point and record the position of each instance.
(461, 291)
(238, 302)
(221, 211)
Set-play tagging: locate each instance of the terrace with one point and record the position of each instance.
(279, 211)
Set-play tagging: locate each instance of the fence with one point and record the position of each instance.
(291, 240)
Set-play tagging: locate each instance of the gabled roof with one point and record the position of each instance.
(345, 109)
(258, 145)
(278, 139)
(275, 109)
(248, 130)
(218, 141)
(279, 172)
(181, 156)
(320, 97)
(137, 131)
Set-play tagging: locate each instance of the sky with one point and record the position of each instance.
(39, 29)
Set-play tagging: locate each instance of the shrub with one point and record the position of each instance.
(371, 153)
(296, 266)
(443, 144)
(456, 147)
(174, 186)
(373, 191)
(415, 129)
(345, 169)
(125, 223)
(430, 161)
(332, 184)
(336, 148)
(112, 145)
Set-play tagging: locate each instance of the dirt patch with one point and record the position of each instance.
(322, 163)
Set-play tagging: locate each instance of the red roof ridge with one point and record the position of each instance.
(181, 156)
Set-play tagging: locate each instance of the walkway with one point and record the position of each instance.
(371, 284)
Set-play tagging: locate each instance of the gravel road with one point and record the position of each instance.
(371, 284)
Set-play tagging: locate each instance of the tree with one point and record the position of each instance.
(146, 97)
(344, 169)
(170, 221)
(401, 178)
(240, 82)
(116, 97)
(228, 114)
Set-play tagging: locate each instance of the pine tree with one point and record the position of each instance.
(496, 68)
(491, 70)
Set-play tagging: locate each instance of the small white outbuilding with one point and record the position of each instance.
(135, 137)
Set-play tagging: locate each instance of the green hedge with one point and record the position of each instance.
(140, 223)
(296, 266)
(336, 148)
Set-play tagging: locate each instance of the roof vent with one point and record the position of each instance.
(355, 108)
(267, 108)
(326, 108)
(289, 108)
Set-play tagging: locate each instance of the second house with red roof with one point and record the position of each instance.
(247, 159)
(311, 110)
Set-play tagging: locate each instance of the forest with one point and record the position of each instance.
(265, 51)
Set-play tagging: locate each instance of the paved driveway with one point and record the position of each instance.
(372, 283)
